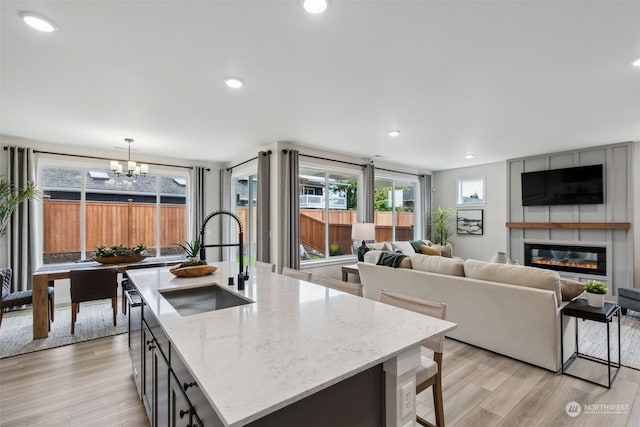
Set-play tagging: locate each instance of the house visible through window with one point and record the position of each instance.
(84, 208)
(328, 208)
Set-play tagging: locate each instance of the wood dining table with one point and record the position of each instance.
(47, 275)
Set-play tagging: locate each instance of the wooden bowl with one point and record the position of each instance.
(193, 270)
(120, 259)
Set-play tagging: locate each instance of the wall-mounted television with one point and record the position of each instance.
(582, 185)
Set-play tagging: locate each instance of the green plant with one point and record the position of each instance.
(335, 250)
(119, 250)
(10, 198)
(192, 251)
(595, 287)
(441, 221)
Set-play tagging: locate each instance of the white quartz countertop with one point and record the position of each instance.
(296, 339)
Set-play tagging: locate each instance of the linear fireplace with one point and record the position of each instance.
(574, 259)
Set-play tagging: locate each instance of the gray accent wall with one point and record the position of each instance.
(618, 207)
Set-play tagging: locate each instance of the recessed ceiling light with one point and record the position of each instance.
(636, 63)
(315, 7)
(233, 82)
(469, 156)
(38, 22)
(394, 133)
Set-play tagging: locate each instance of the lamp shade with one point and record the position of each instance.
(363, 231)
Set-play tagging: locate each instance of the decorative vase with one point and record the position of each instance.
(595, 300)
(499, 258)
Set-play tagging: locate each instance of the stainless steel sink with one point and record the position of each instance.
(202, 299)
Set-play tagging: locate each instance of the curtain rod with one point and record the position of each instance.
(358, 164)
(98, 158)
(331, 160)
(268, 152)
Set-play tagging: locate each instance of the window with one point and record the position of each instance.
(394, 203)
(84, 208)
(246, 209)
(328, 208)
(470, 192)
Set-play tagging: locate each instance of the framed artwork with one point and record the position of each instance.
(470, 221)
(470, 192)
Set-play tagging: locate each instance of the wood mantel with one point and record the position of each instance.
(572, 225)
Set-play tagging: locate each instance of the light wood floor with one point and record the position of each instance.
(90, 384)
(485, 389)
(85, 384)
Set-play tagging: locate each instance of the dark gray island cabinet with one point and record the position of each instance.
(292, 353)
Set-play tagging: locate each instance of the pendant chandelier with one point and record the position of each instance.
(133, 169)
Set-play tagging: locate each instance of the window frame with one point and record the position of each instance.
(330, 168)
(460, 203)
(84, 165)
(398, 179)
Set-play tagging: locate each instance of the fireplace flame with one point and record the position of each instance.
(566, 263)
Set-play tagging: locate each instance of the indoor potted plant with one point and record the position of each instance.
(10, 198)
(193, 266)
(441, 222)
(595, 293)
(120, 254)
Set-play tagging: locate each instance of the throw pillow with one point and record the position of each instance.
(391, 259)
(430, 250)
(570, 289)
(404, 247)
(416, 245)
(381, 246)
(446, 251)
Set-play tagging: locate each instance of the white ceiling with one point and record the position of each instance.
(499, 79)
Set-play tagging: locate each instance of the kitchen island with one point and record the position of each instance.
(291, 349)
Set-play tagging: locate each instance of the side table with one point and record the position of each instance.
(350, 269)
(580, 310)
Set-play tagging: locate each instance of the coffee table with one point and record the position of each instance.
(579, 309)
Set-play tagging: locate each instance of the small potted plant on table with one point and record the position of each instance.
(595, 293)
(193, 266)
(120, 254)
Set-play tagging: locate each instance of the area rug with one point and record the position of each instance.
(94, 321)
(593, 339)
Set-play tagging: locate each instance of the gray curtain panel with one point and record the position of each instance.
(368, 188)
(289, 255)
(199, 197)
(263, 207)
(21, 239)
(425, 203)
(226, 254)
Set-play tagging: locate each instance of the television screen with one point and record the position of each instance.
(581, 185)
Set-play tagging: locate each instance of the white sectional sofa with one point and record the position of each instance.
(509, 309)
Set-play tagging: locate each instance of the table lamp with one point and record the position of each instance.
(363, 231)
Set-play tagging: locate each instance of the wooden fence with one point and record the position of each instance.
(110, 223)
(312, 228)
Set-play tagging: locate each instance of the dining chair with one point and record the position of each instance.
(93, 284)
(429, 374)
(265, 266)
(126, 286)
(296, 274)
(341, 285)
(10, 299)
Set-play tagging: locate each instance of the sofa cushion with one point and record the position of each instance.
(404, 247)
(570, 289)
(446, 251)
(515, 275)
(436, 264)
(430, 250)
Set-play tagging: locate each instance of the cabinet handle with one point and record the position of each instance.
(150, 341)
(185, 386)
(151, 346)
(183, 413)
